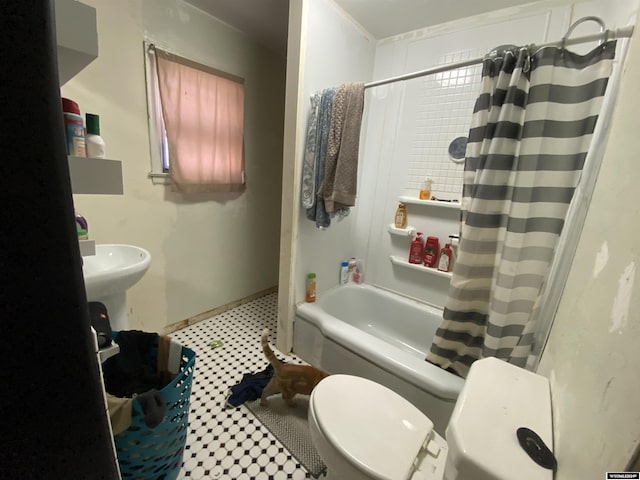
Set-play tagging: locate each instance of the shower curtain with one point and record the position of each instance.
(531, 129)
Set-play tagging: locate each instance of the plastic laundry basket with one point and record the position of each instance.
(156, 453)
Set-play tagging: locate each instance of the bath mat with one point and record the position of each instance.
(289, 425)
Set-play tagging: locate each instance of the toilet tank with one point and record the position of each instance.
(496, 400)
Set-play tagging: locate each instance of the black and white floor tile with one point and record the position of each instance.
(230, 443)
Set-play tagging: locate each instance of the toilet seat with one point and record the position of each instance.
(376, 430)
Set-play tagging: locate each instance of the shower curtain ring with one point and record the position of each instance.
(598, 20)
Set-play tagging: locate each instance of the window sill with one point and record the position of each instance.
(160, 178)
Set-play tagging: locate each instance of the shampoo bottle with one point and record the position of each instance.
(431, 248)
(416, 249)
(445, 263)
(344, 273)
(351, 268)
(401, 216)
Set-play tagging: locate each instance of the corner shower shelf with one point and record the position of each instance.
(430, 203)
(402, 232)
(433, 271)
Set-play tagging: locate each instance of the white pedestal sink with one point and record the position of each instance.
(110, 273)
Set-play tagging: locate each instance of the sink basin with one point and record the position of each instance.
(114, 269)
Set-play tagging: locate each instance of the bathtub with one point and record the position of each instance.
(366, 331)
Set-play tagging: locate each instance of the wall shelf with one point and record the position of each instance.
(401, 232)
(95, 175)
(430, 203)
(77, 37)
(428, 270)
(87, 247)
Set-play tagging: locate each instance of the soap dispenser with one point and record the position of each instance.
(425, 189)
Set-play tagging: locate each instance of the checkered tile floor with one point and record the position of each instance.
(231, 443)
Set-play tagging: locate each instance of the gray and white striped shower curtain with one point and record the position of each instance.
(530, 133)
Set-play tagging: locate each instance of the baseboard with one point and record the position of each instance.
(174, 327)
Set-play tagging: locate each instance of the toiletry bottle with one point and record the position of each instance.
(431, 249)
(358, 275)
(310, 297)
(351, 268)
(74, 128)
(83, 234)
(344, 273)
(80, 220)
(444, 265)
(401, 216)
(454, 242)
(82, 227)
(93, 140)
(425, 189)
(416, 249)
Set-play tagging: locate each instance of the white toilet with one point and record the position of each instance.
(363, 430)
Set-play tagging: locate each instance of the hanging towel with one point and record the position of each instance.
(339, 185)
(317, 211)
(310, 155)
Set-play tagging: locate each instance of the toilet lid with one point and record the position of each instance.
(376, 429)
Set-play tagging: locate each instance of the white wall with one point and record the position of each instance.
(411, 124)
(591, 357)
(207, 250)
(337, 51)
(333, 50)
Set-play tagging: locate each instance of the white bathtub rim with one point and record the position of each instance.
(417, 371)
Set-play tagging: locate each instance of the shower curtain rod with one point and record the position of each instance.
(623, 32)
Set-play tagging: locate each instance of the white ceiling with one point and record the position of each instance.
(384, 18)
(266, 20)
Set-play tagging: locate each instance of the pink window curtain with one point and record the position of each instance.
(203, 112)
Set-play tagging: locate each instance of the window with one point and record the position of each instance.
(196, 118)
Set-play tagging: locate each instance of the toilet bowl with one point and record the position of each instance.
(364, 431)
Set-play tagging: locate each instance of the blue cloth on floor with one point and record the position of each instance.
(250, 387)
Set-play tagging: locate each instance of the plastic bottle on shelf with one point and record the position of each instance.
(344, 273)
(310, 297)
(351, 268)
(358, 274)
(431, 249)
(416, 249)
(445, 263)
(425, 189)
(74, 128)
(93, 140)
(401, 216)
(81, 221)
(454, 242)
